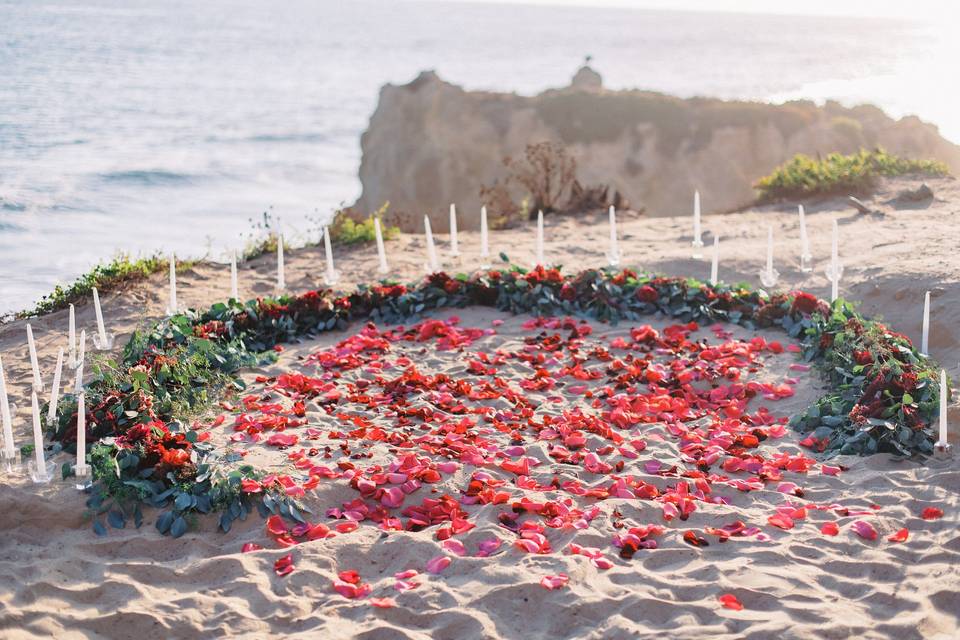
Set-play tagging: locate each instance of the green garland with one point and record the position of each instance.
(884, 394)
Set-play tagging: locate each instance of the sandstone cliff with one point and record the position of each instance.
(431, 143)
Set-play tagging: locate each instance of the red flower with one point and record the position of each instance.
(803, 302)
(567, 292)
(646, 293)
(862, 357)
(176, 457)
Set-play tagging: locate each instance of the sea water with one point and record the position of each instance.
(145, 125)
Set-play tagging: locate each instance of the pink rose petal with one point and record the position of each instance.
(438, 564)
(554, 582)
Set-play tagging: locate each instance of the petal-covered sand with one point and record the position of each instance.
(865, 547)
(478, 474)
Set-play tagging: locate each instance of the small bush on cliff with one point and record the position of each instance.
(547, 177)
(546, 172)
(345, 230)
(804, 177)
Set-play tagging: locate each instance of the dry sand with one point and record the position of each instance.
(59, 579)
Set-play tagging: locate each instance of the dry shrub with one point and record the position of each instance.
(546, 172)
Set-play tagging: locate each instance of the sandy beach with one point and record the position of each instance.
(799, 583)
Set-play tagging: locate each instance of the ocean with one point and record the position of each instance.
(135, 126)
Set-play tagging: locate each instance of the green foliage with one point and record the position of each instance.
(345, 230)
(883, 394)
(105, 277)
(837, 174)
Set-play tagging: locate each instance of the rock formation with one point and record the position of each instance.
(431, 143)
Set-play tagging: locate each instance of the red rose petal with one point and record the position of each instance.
(730, 601)
(932, 513)
(830, 528)
(438, 564)
(350, 576)
(554, 582)
(900, 536)
(284, 565)
(383, 603)
(276, 526)
(864, 529)
(781, 521)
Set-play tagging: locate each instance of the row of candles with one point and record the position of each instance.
(103, 341)
(40, 468)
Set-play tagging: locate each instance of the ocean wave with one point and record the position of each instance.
(271, 137)
(147, 177)
(7, 205)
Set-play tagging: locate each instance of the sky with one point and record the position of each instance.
(916, 9)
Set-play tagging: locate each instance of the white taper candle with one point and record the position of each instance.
(8, 447)
(540, 258)
(72, 337)
(835, 262)
(331, 274)
(101, 328)
(38, 437)
(925, 336)
(715, 263)
(32, 347)
(454, 245)
(804, 239)
(433, 264)
(55, 390)
(81, 431)
(943, 408)
(614, 257)
(381, 250)
(78, 382)
(484, 239)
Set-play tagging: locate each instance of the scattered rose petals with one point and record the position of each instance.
(931, 513)
(284, 565)
(864, 529)
(781, 521)
(350, 576)
(900, 536)
(455, 547)
(276, 526)
(350, 590)
(383, 603)
(438, 564)
(554, 582)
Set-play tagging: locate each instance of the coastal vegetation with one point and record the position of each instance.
(838, 174)
(883, 398)
(345, 229)
(119, 272)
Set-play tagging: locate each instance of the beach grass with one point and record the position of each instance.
(346, 230)
(838, 174)
(122, 270)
